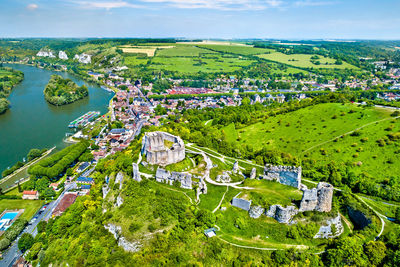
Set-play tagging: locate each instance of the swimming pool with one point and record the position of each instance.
(9, 216)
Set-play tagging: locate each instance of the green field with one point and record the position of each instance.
(304, 61)
(311, 132)
(207, 63)
(131, 61)
(237, 49)
(30, 206)
(183, 51)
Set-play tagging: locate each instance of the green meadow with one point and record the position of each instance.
(315, 132)
(305, 61)
(237, 49)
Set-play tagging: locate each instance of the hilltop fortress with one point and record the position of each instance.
(161, 148)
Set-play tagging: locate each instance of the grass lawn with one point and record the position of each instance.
(30, 206)
(131, 60)
(213, 197)
(304, 61)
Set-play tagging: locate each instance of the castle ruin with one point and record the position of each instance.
(281, 214)
(164, 176)
(161, 148)
(287, 175)
(319, 199)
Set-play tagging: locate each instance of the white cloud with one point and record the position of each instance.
(220, 4)
(301, 3)
(105, 4)
(32, 6)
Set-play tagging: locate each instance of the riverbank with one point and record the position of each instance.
(14, 176)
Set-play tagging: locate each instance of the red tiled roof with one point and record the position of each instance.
(30, 192)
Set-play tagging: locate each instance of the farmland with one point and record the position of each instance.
(305, 61)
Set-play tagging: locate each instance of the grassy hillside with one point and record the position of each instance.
(311, 133)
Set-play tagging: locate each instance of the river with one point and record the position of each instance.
(31, 122)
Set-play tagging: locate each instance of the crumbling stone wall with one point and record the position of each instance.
(153, 147)
(281, 214)
(319, 199)
(288, 175)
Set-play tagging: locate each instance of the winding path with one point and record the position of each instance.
(222, 199)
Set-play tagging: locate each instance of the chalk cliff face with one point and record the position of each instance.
(62, 55)
(158, 153)
(45, 52)
(83, 58)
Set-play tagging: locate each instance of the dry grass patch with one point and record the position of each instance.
(148, 50)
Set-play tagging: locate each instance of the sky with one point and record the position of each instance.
(205, 19)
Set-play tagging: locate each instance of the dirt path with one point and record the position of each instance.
(377, 213)
(222, 199)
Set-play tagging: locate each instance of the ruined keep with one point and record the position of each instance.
(161, 148)
(281, 214)
(287, 175)
(164, 176)
(319, 199)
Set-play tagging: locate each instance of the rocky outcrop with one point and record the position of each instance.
(235, 167)
(45, 52)
(224, 177)
(119, 202)
(83, 58)
(325, 231)
(256, 211)
(106, 187)
(281, 214)
(253, 173)
(122, 242)
(161, 148)
(288, 175)
(62, 55)
(119, 180)
(136, 173)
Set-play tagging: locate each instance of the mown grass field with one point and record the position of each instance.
(30, 206)
(183, 51)
(304, 61)
(314, 128)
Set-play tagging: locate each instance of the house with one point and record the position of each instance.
(30, 195)
(54, 186)
(210, 232)
(82, 167)
(85, 180)
(85, 189)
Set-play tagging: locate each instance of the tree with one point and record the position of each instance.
(41, 227)
(376, 251)
(34, 153)
(25, 242)
(397, 215)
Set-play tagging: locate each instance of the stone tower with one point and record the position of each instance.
(325, 194)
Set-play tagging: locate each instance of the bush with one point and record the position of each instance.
(133, 227)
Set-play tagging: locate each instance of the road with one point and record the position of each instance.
(13, 253)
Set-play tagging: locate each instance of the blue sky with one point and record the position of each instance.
(280, 19)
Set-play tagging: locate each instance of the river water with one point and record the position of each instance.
(31, 122)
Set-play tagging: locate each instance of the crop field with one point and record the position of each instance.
(148, 50)
(315, 132)
(210, 63)
(237, 49)
(304, 61)
(30, 206)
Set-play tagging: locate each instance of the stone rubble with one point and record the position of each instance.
(256, 211)
(122, 242)
(253, 173)
(325, 231)
(281, 214)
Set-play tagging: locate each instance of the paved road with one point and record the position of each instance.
(13, 253)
